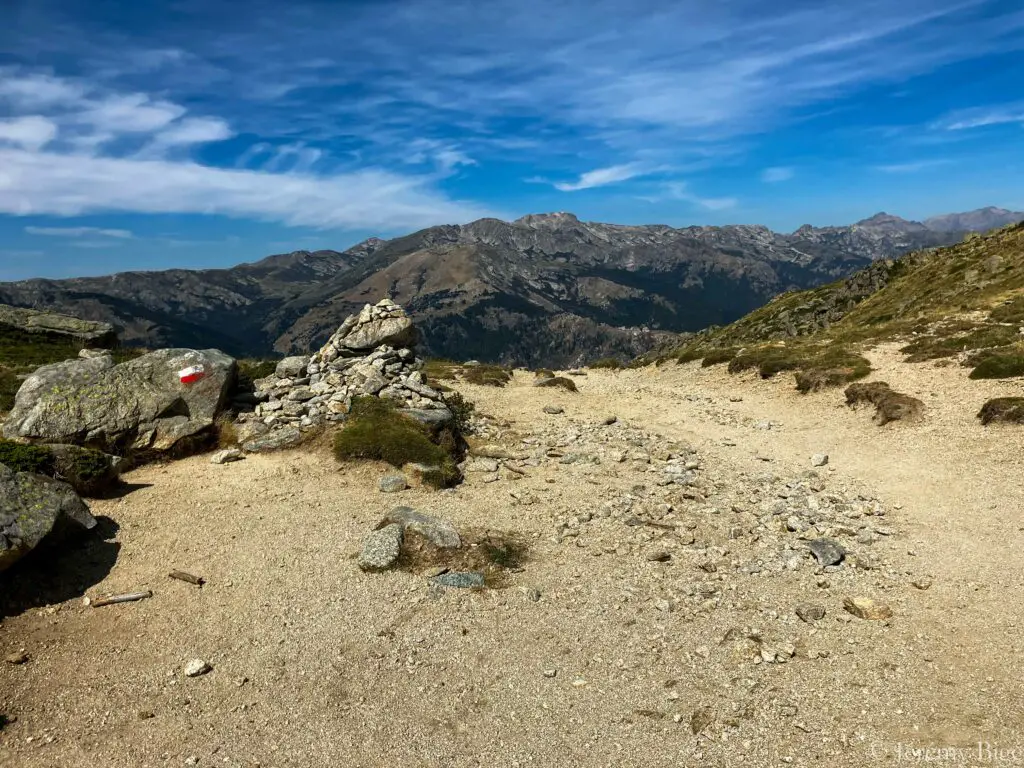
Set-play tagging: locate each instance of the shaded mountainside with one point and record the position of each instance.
(964, 302)
(545, 289)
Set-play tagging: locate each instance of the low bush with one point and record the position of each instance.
(611, 363)
(376, 430)
(718, 356)
(558, 381)
(437, 369)
(889, 405)
(999, 366)
(462, 411)
(26, 458)
(487, 375)
(544, 373)
(1005, 409)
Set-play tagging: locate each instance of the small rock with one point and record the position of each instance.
(819, 460)
(735, 399)
(866, 608)
(554, 410)
(533, 595)
(16, 658)
(145, 714)
(191, 760)
(482, 465)
(924, 583)
(393, 483)
(460, 580)
(439, 532)
(658, 556)
(550, 672)
(197, 667)
(381, 548)
(609, 420)
(827, 551)
(810, 612)
(225, 456)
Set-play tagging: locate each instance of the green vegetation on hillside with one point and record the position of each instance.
(964, 301)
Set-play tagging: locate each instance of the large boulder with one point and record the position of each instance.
(87, 332)
(138, 405)
(382, 324)
(33, 506)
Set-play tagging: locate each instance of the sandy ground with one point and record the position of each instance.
(318, 664)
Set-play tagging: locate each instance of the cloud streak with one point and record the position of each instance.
(601, 177)
(777, 174)
(122, 234)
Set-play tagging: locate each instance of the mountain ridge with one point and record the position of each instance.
(491, 289)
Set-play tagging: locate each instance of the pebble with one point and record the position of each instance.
(810, 612)
(16, 658)
(922, 584)
(554, 410)
(658, 556)
(609, 420)
(867, 608)
(819, 460)
(701, 719)
(393, 483)
(197, 667)
(550, 672)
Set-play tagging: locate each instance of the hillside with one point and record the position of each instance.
(577, 290)
(962, 302)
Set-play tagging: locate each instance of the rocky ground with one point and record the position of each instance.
(671, 608)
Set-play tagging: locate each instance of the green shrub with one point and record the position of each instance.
(461, 408)
(544, 373)
(612, 363)
(376, 430)
(718, 356)
(10, 383)
(26, 458)
(999, 366)
(558, 381)
(1012, 312)
(487, 375)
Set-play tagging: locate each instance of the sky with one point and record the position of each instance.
(205, 133)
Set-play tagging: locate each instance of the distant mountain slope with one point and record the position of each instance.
(545, 289)
(965, 300)
(981, 220)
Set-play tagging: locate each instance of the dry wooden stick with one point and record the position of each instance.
(183, 576)
(129, 598)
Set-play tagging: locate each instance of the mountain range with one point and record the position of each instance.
(546, 289)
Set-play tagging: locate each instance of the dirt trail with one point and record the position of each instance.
(621, 659)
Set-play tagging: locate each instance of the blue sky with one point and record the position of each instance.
(200, 133)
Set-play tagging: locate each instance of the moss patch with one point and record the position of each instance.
(611, 363)
(558, 381)
(889, 405)
(487, 375)
(26, 458)
(999, 366)
(376, 430)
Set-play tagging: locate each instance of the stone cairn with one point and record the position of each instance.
(372, 353)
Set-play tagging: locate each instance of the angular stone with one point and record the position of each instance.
(197, 667)
(554, 410)
(819, 460)
(810, 612)
(226, 456)
(292, 367)
(439, 532)
(33, 506)
(827, 551)
(867, 608)
(381, 548)
(285, 437)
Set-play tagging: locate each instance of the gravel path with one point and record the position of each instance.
(653, 622)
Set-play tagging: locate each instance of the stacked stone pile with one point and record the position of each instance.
(372, 353)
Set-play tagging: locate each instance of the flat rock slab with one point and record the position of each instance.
(438, 532)
(94, 334)
(288, 437)
(827, 551)
(460, 580)
(382, 548)
(226, 456)
(31, 506)
(810, 612)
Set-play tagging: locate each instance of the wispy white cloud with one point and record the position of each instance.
(981, 117)
(777, 174)
(32, 132)
(601, 177)
(121, 234)
(92, 151)
(911, 167)
(680, 190)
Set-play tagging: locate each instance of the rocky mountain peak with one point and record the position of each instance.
(547, 220)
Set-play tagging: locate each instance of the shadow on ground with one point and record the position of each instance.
(60, 569)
